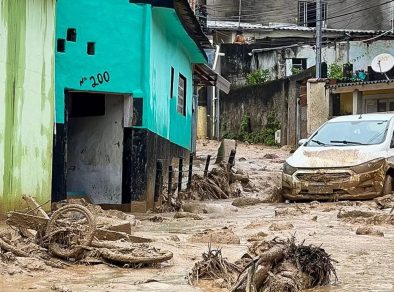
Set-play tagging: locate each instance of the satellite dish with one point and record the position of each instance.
(382, 63)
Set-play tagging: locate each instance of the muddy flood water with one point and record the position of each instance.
(364, 262)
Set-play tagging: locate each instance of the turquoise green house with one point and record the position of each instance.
(125, 73)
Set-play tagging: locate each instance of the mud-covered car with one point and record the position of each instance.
(348, 157)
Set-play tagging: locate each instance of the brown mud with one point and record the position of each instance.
(364, 262)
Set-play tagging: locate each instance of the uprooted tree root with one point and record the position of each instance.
(283, 266)
(216, 185)
(222, 182)
(214, 266)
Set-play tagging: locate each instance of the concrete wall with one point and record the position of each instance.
(318, 109)
(286, 11)
(279, 96)
(95, 148)
(237, 62)
(26, 100)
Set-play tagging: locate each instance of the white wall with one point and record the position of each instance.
(360, 54)
(95, 154)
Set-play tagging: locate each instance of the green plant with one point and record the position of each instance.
(265, 135)
(257, 77)
(245, 127)
(295, 70)
(335, 71)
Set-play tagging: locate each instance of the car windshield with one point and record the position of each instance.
(350, 133)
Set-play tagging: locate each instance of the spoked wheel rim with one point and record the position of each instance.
(69, 229)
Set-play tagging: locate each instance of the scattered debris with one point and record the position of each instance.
(220, 236)
(214, 267)
(278, 226)
(156, 218)
(70, 233)
(385, 202)
(314, 204)
(287, 266)
(246, 201)
(174, 238)
(355, 213)
(282, 266)
(256, 224)
(258, 237)
(365, 216)
(215, 186)
(193, 216)
(295, 210)
(368, 230)
(271, 156)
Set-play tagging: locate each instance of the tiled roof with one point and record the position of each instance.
(347, 84)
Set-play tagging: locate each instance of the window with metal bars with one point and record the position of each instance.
(307, 13)
(182, 95)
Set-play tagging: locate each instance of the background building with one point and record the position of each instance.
(376, 15)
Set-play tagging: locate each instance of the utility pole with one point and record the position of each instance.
(319, 24)
(392, 15)
(239, 13)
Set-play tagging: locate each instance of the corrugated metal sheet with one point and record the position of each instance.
(233, 25)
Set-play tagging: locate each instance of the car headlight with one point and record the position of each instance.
(288, 169)
(369, 166)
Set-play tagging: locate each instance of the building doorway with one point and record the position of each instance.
(90, 148)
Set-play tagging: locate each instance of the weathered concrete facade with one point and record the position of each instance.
(27, 31)
(284, 97)
(239, 60)
(286, 12)
(318, 105)
(327, 100)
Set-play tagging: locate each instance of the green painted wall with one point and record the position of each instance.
(117, 28)
(137, 45)
(163, 115)
(26, 100)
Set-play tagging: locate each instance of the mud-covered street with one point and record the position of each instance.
(363, 261)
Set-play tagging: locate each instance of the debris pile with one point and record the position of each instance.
(385, 202)
(365, 216)
(219, 236)
(282, 266)
(73, 233)
(222, 182)
(295, 210)
(212, 267)
(216, 185)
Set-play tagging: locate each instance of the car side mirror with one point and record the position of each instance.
(302, 142)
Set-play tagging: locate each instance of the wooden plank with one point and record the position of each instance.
(105, 234)
(22, 220)
(33, 205)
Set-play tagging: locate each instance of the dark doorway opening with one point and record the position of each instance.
(88, 148)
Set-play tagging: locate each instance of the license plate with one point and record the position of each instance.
(320, 190)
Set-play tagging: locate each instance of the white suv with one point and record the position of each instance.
(348, 157)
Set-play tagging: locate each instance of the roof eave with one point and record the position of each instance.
(187, 18)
